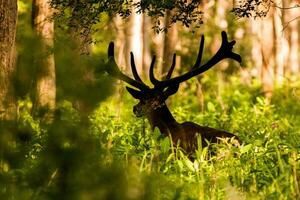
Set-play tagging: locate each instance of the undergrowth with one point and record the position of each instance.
(117, 156)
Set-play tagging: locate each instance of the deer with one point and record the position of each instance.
(152, 100)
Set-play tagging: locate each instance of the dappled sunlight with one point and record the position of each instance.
(130, 100)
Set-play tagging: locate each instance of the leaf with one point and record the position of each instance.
(165, 145)
(246, 148)
(180, 164)
(211, 107)
(189, 165)
(170, 157)
(156, 133)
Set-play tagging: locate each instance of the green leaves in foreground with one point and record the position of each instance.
(117, 156)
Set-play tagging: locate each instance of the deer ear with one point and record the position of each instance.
(135, 93)
(171, 90)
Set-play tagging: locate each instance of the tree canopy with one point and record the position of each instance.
(87, 12)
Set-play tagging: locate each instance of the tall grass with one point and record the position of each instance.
(116, 156)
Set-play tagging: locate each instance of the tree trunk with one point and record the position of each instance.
(170, 42)
(222, 22)
(279, 43)
(294, 46)
(134, 39)
(158, 41)
(45, 80)
(8, 22)
(256, 51)
(119, 26)
(267, 47)
(146, 43)
(286, 32)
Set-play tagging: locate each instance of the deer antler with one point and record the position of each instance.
(153, 80)
(200, 53)
(113, 69)
(171, 68)
(133, 69)
(225, 51)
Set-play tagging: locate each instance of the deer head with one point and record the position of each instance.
(152, 98)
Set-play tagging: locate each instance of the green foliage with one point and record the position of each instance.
(252, 8)
(117, 156)
(87, 13)
(114, 155)
(76, 78)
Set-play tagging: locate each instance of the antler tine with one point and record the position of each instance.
(200, 53)
(133, 69)
(113, 69)
(153, 80)
(172, 67)
(225, 51)
(227, 48)
(111, 50)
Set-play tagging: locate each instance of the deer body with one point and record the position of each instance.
(184, 134)
(152, 100)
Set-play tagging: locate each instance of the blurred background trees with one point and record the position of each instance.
(268, 40)
(52, 80)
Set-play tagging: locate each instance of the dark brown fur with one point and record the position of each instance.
(185, 134)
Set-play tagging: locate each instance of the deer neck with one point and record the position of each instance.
(163, 120)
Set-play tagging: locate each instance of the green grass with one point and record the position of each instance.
(116, 156)
(266, 166)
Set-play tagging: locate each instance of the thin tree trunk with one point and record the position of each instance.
(286, 32)
(158, 40)
(294, 52)
(267, 48)
(279, 43)
(135, 39)
(256, 51)
(170, 41)
(119, 26)
(44, 27)
(221, 21)
(146, 43)
(8, 22)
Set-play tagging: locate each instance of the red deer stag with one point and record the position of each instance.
(152, 100)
